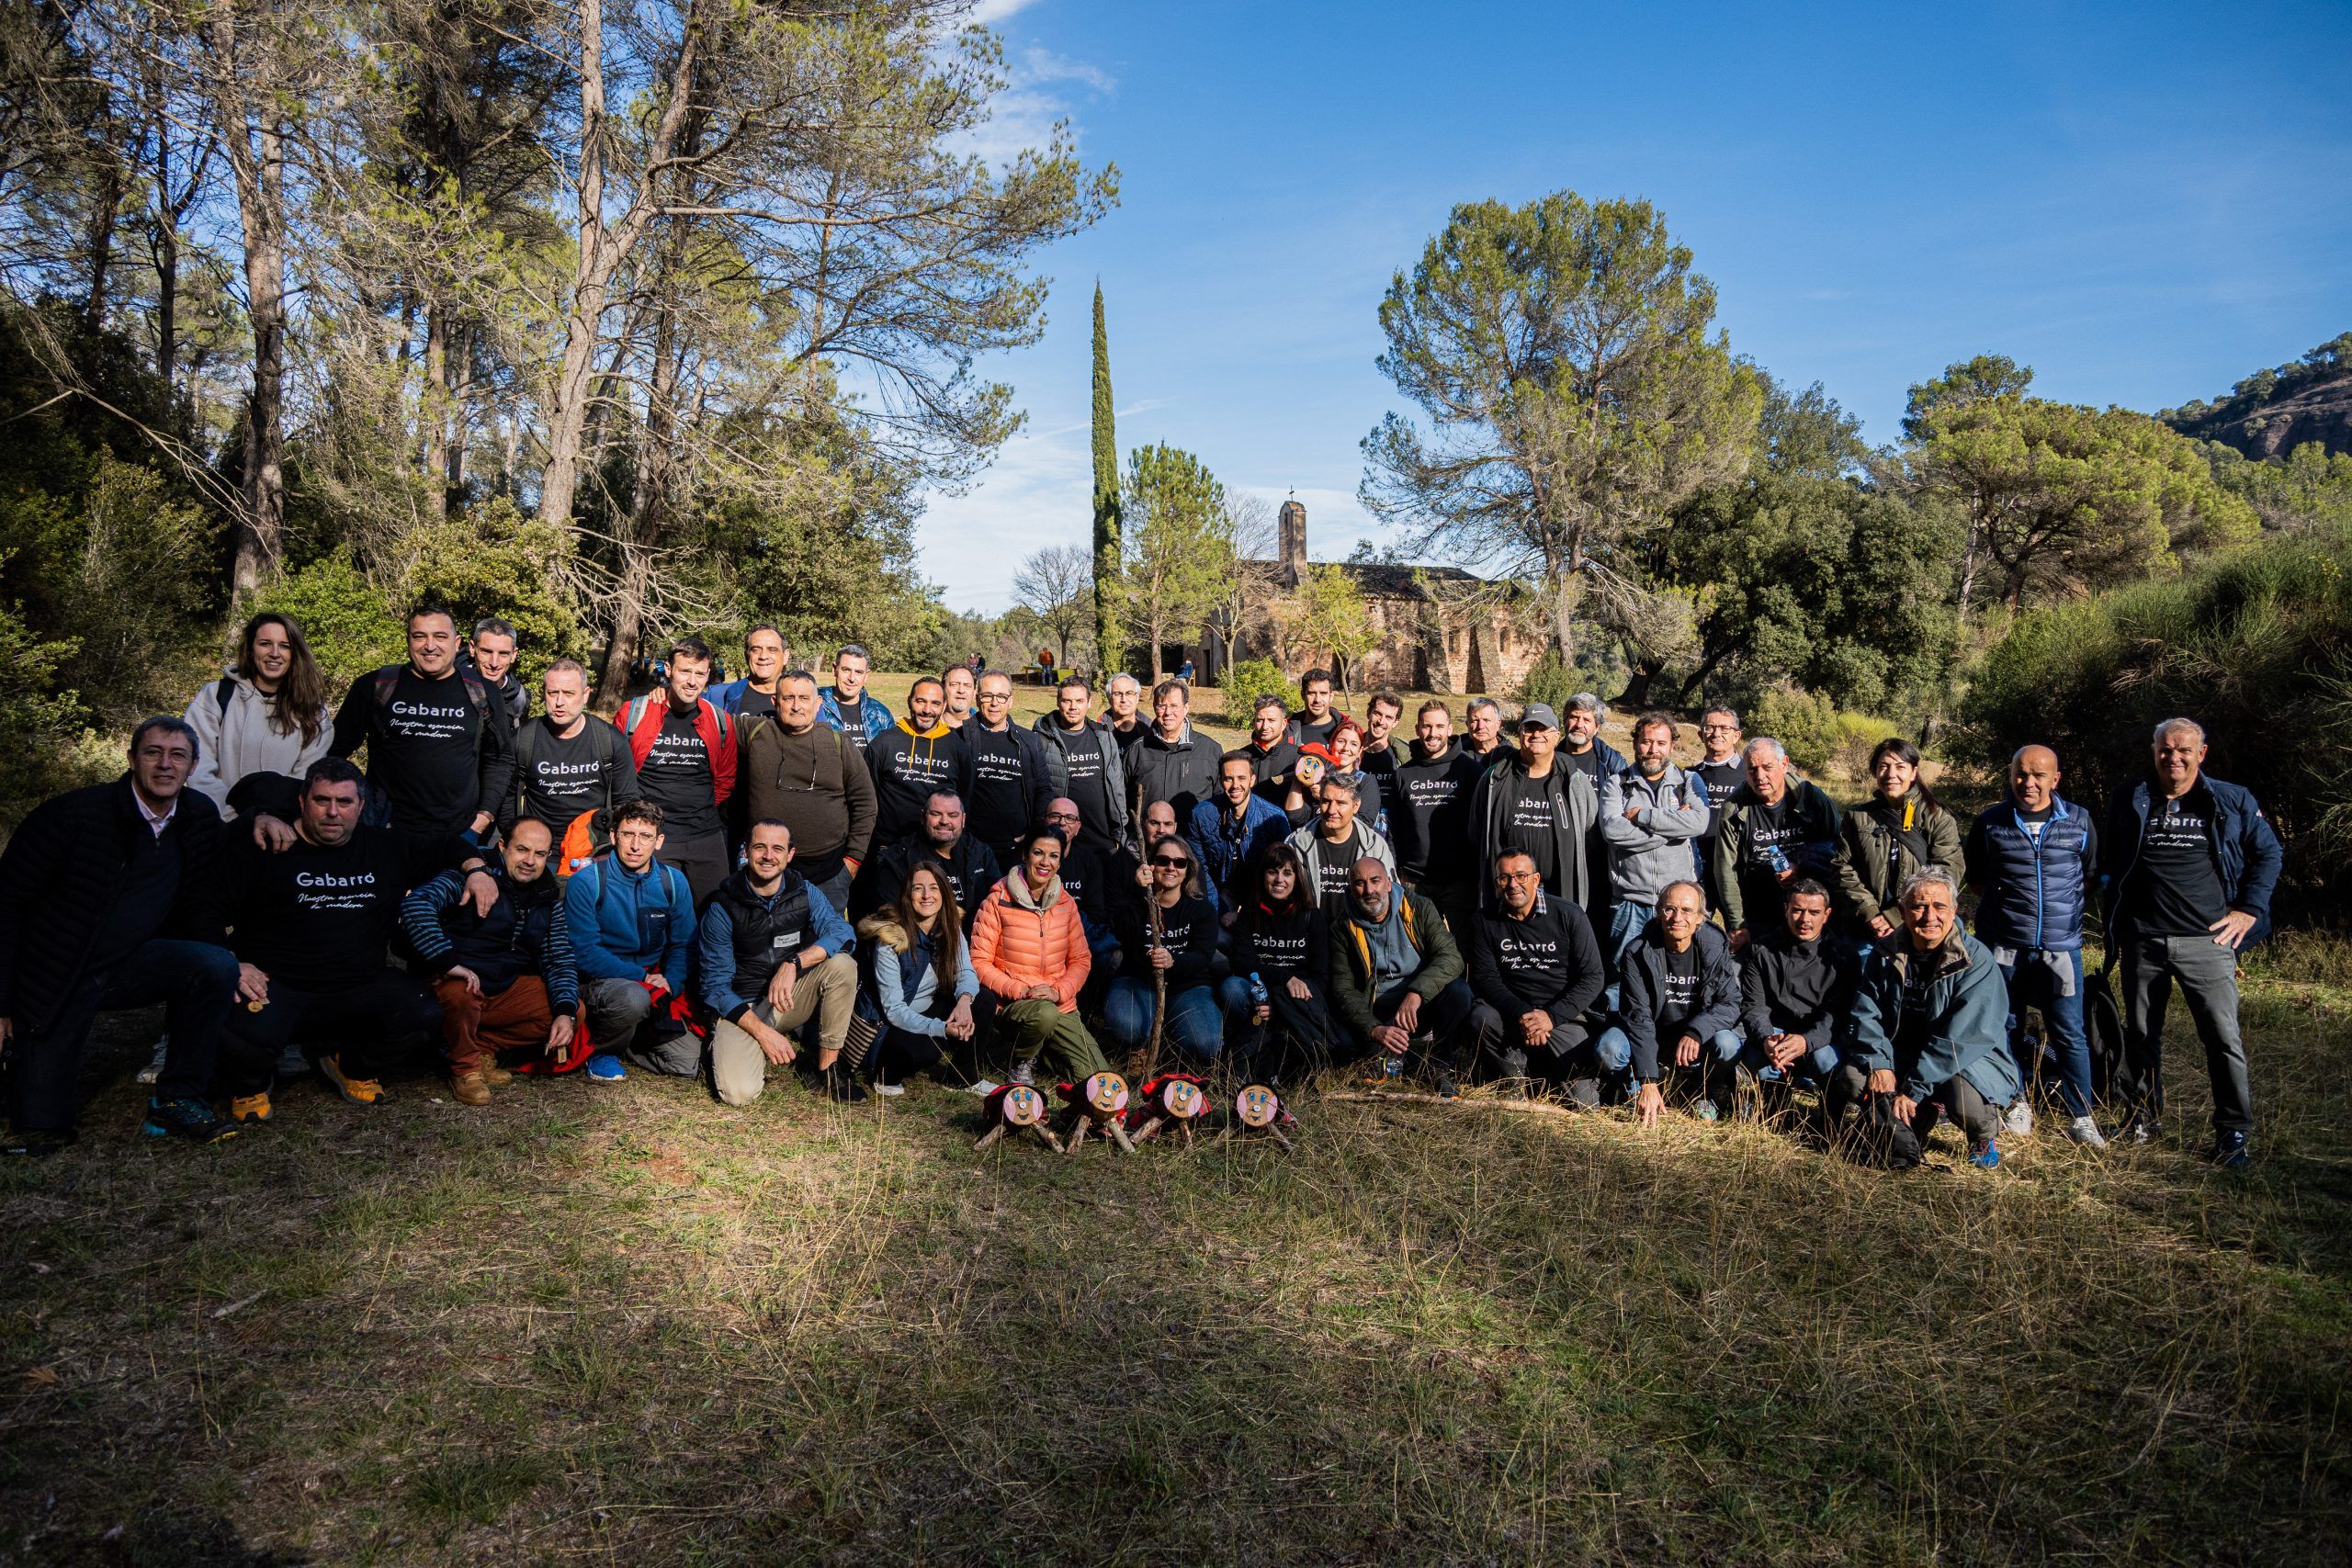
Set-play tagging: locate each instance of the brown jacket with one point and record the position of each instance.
(814, 783)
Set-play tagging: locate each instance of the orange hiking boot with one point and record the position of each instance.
(496, 1075)
(250, 1108)
(359, 1091)
(469, 1089)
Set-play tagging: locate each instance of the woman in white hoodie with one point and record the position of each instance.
(267, 715)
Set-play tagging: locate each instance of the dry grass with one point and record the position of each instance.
(627, 1325)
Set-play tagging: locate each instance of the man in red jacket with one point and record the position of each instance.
(684, 747)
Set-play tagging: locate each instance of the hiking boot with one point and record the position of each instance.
(1705, 1109)
(2230, 1152)
(469, 1089)
(359, 1091)
(185, 1118)
(840, 1084)
(2084, 1131)
(154, 1067)
(292, 1063)
(1986, 1157)
(1025, 1074)
(1446, 1087)
(1585, 1093)
(496, 1075)
(251, 1109)
(2018, 1118)
(1510, 1070)
(39, 1143)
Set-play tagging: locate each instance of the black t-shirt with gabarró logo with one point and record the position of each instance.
(314, 919)
(2176, 889)
(676, 776)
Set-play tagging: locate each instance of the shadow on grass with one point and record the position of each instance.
(630, 1323)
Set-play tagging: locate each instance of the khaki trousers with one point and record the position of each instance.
(739, 1069)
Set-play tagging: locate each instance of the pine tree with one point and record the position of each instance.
(1107, 639)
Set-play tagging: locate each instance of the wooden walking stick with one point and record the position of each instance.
(1159, 988)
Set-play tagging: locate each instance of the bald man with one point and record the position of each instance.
(2033, 860)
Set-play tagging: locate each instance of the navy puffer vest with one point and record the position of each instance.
(2043, 888)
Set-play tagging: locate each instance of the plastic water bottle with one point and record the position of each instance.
(1257, 996)
(1392, 1066)
(1777, 859)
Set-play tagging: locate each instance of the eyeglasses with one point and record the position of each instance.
(1061, 816)
(1176, 862)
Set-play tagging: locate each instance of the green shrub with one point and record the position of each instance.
(37, 719)
(1244, 681)
(1820, 736)
(351, 623)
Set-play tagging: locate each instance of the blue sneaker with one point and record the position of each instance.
(606, 1067)
(1986, 1157)
(2229, 1150)
(190, 1119)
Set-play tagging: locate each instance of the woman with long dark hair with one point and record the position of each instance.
(1898, 832)
(267, 714)
(920, 988)
(1283, 939)
(1167, 943)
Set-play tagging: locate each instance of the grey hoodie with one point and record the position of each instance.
(1652, 850)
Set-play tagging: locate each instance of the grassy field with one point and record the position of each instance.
(625, 1324)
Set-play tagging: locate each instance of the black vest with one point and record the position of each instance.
(766, 935)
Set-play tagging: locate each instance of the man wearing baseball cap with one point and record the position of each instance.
(1538, 805)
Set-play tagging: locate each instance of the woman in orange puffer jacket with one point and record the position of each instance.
(1029, 949)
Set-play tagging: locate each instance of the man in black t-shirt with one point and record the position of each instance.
(309, 925)
(1537, 969)
(683, 745)
(491, 653)
(565, 762)
(1012, 776)
(1720, 769)
(2189, 863)
(1315, 718)
(1271, 752)
(1092, 768)
(440, 751)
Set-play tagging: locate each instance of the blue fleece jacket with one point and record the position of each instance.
(624, 924)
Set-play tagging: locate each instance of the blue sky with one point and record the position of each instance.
(2144, 202)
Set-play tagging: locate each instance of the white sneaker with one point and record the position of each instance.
(2084, 1131)
(2018, 1120)
(154, 1067)
(889, 1088)
(984, 1088)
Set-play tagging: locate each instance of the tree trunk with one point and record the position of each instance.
(628, 628)
(261, 197)
(106, 208)
(433, 413)
(1565, 585)
(460, 390)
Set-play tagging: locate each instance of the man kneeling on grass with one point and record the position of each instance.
(1931, 1024)
(631, 921)
(776, 957)
(505, 979)
(1679, 1008)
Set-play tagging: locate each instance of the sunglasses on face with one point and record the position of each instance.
(1176, 862)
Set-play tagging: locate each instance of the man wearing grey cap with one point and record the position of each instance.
(1541, 807)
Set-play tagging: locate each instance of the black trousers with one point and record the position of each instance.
(196, 981)
(355, 1026)
(1956, 1098)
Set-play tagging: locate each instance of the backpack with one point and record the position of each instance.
(377, 810)
(604, 743)
(2103, 1027)
(585, 837)
(1877, 1138)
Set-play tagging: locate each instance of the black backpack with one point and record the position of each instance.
(1878, 1138)
(2103, 1026)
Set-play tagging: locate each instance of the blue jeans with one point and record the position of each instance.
(1814, 1066)
(1627, 921)
(2032, 984)
(1193, 1024)
(1615, 1049)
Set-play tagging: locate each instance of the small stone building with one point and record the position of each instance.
(1442, 629)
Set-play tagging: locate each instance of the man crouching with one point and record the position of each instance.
(504, 979)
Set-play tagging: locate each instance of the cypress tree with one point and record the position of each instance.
(1107, 639)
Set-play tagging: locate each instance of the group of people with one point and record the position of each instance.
(777, 876)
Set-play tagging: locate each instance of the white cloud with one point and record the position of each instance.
(1042, 65)
(1039, 492)
(988, 12)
